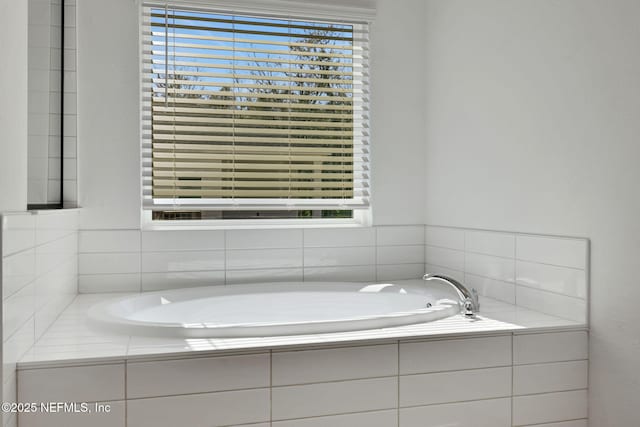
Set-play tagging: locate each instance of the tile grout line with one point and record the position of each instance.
(375, 253)
(398, 388)
(303, 252)
(126, 400)
(139, 260)
(512, 378)
(224, 245)
(271, 387)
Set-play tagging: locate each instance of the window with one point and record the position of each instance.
(253, 116)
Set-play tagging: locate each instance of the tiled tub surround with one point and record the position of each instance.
(131, 260)
(532, 379)
(39, 280)
(496, 380)
(543, 273)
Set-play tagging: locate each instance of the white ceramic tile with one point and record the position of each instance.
(51, 254)
(563, 280)
(10, 389)
(326, 257)
(550, 407)
(363, 419)
(400, 235)
(455, 386)
(450, 355)
(339, 237)
(549, 377)
(436, 269)
(489, 266)
(47, 314)
(181, 279)
(481, 413)
(447, 258)
(363, 273)
(444, 237)
(550, 347)
(109, 241)
(552, 250)
(263, 258)
(44, 385)
(115, 417)
(168, 262)
(264, 239)
(18, 270)
(492, 288)
(17, 309)
(57, 283)
(199, 375)
(51, 226)
(264, 275)
(490, 243)
(181, 240)
(63, 354)
(334, 398)
(18, 233)
(127, 262)
(399, 272)
(572, 423)
(409, 254)
(200, 410)
(15, 346)
(93, 283)
(334, 364)
(546, 302)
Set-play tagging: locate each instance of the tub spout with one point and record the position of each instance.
(468, 299)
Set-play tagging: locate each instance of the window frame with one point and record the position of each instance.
(361, 217)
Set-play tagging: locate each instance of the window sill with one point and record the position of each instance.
(246, 225)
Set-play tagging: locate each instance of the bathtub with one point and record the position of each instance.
(271, 309)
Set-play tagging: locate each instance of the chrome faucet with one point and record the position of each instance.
(468, 299)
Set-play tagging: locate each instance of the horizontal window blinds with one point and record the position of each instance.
(246, 112)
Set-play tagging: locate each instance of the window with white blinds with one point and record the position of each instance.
(253, 112)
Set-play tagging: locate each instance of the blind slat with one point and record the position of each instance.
(338, 117)
(239, 85)
(251, 49)
(280, 122)
(241, 77)
(239, 21)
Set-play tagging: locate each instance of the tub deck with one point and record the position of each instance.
(70, 340)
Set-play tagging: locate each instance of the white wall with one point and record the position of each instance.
(109, 114)
(532, 125)
(13, 105)
(108, 123)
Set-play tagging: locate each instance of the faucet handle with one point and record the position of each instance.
(468, 307)
(474, 296)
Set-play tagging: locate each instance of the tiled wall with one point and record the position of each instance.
(543, 273)
(492, 381)
(131, 260)
(45, 46)
(39, 279)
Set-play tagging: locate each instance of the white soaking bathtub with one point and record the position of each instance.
(271, 309)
